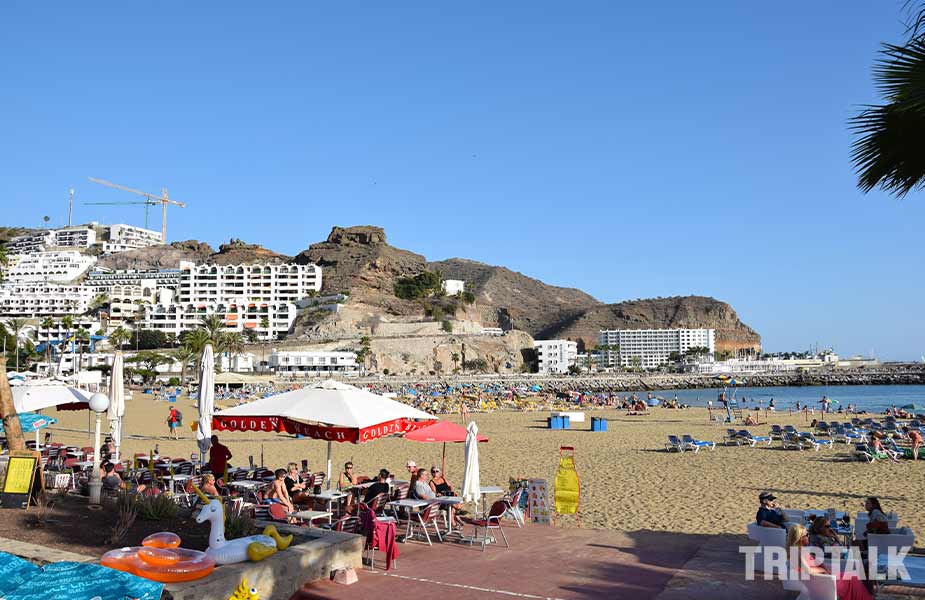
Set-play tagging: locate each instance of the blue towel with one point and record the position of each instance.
(75, 581)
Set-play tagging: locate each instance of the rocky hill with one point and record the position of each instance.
(509, 299)
(8, 233)
(359, 260)
(659, 313)
(169, 256)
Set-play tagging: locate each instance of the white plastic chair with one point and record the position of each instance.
(820, 587)
(882, 542)
(767, 537)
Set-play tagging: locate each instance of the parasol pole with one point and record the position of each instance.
(443, 461)
(329, 465)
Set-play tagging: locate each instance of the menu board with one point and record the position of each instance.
(538, 502)
(21, 480)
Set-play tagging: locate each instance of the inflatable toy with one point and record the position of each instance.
(226, 552)
(160, 558)
(243, 592)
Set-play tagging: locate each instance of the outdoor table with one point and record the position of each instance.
(330, 497)
(449, 501)
(84, 464)
(311, 515)
(412, 505)
(174, 479)
(246, 485)
(915, 565)
(488, 489)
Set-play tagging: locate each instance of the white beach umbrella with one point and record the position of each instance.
(472, 488)
(330, 411)
(116, 401)
(206, 402)
(37, 395)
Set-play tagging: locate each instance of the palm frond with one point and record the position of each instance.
(890, 151)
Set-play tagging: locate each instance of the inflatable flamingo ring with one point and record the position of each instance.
(160, 558)
(225, 552)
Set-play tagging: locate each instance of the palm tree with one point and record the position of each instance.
(214, 326)
(888, 152)
(16, 326)
(83, 336)
(195, 339)
(47, 324)
(265, 325)
(455, 358)
(234, 345)
(4, 263)
(184, 355)
(119, 336)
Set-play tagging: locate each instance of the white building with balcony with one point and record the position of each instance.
(30, 300)
(253, 283)
(267, 320)
(313, 364)
(102, 279)
(651, 348)
(555, 356)
(53, 267)
(122, 238)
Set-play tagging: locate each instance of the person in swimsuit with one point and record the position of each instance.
(279, 493)
(439, 484)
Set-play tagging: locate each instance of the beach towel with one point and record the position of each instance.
(21, 580)
(568, 486)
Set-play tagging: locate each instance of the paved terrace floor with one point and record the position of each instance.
(548, 562)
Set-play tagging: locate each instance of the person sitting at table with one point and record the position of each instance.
(821, 533)
(769, 514)
(439, 484)
(877, 521)
(346, 483)
(295, 487)
(111, 480)
(418, 488)
(847, 586)
(381, 486)
(278, 492)
(208, 485)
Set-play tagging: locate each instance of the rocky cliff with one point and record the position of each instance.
(659, 313)
(508, 299)
(169, 256)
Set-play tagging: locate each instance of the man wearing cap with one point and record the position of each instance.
(769, 515)
(411, 466)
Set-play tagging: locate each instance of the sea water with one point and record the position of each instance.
(870, 398)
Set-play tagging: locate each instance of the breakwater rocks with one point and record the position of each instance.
(626, 382)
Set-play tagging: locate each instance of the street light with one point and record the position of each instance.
(99, 403)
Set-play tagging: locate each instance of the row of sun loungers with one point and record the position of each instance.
(687, 442)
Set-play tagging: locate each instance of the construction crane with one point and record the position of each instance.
(150, 199)
(147, 203)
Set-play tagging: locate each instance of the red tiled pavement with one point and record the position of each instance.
(548, 562)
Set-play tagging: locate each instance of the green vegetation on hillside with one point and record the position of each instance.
(422, 285)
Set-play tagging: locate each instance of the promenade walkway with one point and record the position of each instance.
(557, 563)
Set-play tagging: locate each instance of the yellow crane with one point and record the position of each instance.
(163, 200)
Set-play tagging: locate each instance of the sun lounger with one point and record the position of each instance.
(791, 441)
(691, 444)
(674, 444)
(776, 433)
(745, 436)
(731, 437)
(814, 443)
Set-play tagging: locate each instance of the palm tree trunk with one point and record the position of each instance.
(11, 424)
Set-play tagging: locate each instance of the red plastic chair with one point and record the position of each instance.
(490, 522)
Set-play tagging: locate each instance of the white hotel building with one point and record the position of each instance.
(175, 318)
(650, 348)
(57, 267)
(111, 238)
(313, 364)
(555, 356)
(33, 300)
(247, 283)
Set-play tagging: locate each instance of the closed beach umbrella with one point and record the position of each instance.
(206, 402)
(472, 488)
(116, 401)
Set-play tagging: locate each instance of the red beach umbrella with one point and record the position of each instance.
(441, 431)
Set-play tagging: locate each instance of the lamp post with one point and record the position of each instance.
(99, 403)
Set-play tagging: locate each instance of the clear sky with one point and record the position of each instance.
(632, 149)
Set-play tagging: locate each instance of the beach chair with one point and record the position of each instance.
(744, 435)
(429, 515)
(865, 452)
(731, 437)
(791, 441)
(513, 507)
(815, 443)
(776, 433)
(822, 428)
(695, 445)
(490, 522)
(674, 444)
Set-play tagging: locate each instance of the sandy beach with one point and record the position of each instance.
(628, 481)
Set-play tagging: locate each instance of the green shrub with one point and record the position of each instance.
(157, 508)
(173, 381)
(421, 285)
(238, 523)
(447, 326)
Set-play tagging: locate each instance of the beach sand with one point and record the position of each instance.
(628, 481)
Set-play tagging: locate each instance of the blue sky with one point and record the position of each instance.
(629, 149)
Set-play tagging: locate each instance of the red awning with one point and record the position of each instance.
(319, 432)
